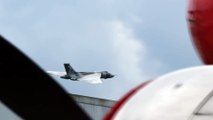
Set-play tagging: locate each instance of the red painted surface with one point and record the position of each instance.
(122, 101)
(200, 18)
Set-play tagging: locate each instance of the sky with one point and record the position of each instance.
(138, 40)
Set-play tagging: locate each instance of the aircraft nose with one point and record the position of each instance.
(106, 75)
(111, 76)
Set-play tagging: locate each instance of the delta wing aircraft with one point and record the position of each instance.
(90, 77)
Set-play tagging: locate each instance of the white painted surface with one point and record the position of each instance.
(174, 96)
(57, 73)
(92, 78)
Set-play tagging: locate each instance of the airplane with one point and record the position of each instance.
(185, 94)
(90, 77)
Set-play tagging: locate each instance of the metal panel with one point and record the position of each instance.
(96, 108)
(205, 111)
(207, 108)
(203, 118)
(7, 114)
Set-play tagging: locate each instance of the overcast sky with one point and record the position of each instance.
(138, 40)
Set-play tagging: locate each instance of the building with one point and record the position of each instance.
(96, 108)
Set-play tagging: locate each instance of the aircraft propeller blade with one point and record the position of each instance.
(30, 92)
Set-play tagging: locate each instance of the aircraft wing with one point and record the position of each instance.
(92, 78)
(56, 73)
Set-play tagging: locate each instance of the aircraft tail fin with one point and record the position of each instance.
(69, 69)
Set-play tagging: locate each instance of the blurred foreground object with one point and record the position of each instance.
(181, 95)
(29, 92)
(200, 19)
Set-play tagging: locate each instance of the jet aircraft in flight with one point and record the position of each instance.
(90, 77)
